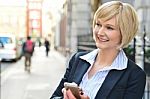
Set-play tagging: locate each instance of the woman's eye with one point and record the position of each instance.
(97, 24)
(110, 28)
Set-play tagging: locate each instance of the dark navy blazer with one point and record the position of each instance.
(118, 84)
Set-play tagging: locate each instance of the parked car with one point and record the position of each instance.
(10, 48)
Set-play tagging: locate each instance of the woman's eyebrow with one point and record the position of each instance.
(107, 24)
(97, 21)
(111, 25)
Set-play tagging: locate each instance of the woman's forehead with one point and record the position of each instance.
(104, 20)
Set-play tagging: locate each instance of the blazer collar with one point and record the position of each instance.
(80, 71)
(119, 63)
(111, 79)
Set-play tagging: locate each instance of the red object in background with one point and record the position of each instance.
(34, 17)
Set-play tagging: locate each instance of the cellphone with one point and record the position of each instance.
(74, 89)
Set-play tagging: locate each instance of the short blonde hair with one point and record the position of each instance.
(126, 19)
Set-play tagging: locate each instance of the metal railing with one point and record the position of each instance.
(147, 91)
(86, 42)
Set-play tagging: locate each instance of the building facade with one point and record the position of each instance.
(11, 21)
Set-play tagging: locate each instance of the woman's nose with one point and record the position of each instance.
(101, 31)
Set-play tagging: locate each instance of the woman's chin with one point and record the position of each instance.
(100, 46)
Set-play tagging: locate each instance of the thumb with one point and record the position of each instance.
(84, 97)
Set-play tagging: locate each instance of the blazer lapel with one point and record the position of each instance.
(109, 82)
(80, 71)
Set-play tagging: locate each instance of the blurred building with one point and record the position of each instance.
(75, 20)
(13, 18)
(21, 17)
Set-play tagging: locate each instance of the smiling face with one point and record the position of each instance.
(125, 18)
(107, 34)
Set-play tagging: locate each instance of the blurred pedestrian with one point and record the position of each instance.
(47, 46)
(28, 49)
(40, 43)
(106, 72)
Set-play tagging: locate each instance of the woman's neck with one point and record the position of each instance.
(103, 59)
(106, 57)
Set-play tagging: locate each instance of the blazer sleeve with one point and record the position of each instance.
(58, 92)
(136, 84)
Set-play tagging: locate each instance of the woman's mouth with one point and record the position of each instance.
(103, 39)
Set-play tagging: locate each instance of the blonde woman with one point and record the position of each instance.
(106, 72)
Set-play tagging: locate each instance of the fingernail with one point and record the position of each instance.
(81, 93)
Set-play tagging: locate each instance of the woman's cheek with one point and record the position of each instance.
(94, 34)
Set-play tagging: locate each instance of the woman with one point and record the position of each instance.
(106, 73)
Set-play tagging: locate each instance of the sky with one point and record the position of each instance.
(53, 6)
(47, 4)
(13, 2)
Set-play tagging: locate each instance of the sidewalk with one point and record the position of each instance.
(45, 75)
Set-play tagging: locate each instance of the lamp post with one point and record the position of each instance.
(143, 47)
(134, 49)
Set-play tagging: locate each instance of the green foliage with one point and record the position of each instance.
(129, 50)
(147, 54)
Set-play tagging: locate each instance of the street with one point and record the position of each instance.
(40, 83)
(6, 64)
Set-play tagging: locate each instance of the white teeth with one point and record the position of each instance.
(103, 40)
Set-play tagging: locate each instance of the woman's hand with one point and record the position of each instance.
(68, 94)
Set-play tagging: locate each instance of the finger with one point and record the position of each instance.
(70, 95)
(63, 90)
(81, 93)
(64, 93)
(84, 97)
